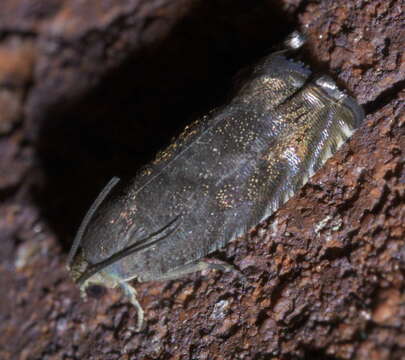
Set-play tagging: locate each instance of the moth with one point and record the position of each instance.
(227, 172)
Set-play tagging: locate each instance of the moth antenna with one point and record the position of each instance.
(93, 208)
(138, 246)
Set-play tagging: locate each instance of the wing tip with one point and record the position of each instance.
(329, 86)
(295, 40)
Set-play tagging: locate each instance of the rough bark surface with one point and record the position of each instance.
(89, 90)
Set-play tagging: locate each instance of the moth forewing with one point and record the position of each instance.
(227, 172)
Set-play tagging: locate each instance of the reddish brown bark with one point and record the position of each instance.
(88, 91)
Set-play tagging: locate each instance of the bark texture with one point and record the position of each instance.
(89, 90)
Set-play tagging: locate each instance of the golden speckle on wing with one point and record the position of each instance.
(146, 171)
(253, 190)
(225, 196)
(178, 142)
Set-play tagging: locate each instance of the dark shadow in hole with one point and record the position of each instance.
(318, 354)
(137, 108)
(96, 291)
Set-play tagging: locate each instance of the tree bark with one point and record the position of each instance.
(89, 90)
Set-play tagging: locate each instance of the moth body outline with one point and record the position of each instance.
(226, 173)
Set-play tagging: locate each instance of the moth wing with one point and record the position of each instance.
(319, 119)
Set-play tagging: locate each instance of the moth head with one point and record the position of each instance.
(78, 270)
(78, 266)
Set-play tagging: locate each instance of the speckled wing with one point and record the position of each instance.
(228, 171)
(312, 125)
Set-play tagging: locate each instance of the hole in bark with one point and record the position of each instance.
(117, 127)
(384, 98)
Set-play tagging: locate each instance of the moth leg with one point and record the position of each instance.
(199, 266)
(131, 294)
(225, 267)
